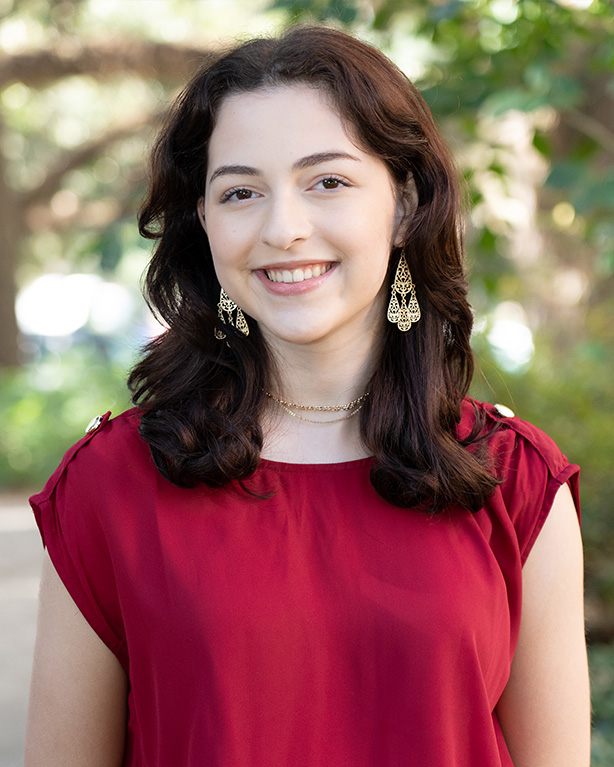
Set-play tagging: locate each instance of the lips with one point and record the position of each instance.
(297, 274)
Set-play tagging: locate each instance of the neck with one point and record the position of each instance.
(323, 374)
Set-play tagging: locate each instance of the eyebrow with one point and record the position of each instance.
(301, 164)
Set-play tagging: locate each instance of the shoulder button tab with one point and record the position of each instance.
(504, 411)
(93, 424)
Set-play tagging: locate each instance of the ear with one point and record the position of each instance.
(200, 209)
(407, 202)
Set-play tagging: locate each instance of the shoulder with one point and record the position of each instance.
(111, 448)
(509, 436)
(85, 515)
(529, 464)
(112, 432)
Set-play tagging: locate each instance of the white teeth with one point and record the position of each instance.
(297, 275)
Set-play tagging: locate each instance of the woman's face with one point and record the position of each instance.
(300, 219)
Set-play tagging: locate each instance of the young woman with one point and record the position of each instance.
(306, 545)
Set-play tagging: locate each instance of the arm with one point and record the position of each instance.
(545, 709)
(78, 695)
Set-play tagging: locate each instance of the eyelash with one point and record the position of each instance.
(232, 192)
(339, 181)
(228, 195)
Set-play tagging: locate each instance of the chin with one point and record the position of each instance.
(301, 336)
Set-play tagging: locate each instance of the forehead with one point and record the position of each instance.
(299, 116)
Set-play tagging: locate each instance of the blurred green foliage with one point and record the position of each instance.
(601, 661)
(45, 407)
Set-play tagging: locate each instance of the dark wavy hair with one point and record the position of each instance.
(201, 399)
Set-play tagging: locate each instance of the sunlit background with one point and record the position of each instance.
(524, 93)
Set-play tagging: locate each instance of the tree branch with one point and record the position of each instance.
(590, 127)
(72, 160)
(102, 60)
(91, 214)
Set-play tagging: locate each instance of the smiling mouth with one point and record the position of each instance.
(299, 274)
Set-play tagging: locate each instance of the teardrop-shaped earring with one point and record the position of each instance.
(400, 313)
(227, 305)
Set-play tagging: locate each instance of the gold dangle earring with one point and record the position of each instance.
(400, 313)
(226, 304)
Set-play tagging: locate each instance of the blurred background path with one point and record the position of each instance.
(21, 556)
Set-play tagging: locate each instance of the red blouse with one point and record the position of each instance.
(320, 626)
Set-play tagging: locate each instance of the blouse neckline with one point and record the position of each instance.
(285, 466)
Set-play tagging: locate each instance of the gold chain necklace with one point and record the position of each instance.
(355, 406)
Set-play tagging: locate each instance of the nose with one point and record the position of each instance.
(286, 221)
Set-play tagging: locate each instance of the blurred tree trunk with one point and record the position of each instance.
(102, 60)
(9, 241)
(169, 62)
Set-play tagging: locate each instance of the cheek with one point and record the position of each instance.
(381, 283)
(225, 244)
(373, 285)
(236, 231)
(381, 246)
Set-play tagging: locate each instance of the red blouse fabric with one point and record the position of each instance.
(320, 626)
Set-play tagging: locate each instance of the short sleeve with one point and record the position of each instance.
(77, 539)
(532, 469)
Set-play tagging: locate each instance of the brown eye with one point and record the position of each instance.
(238, 194)
(330, 183)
